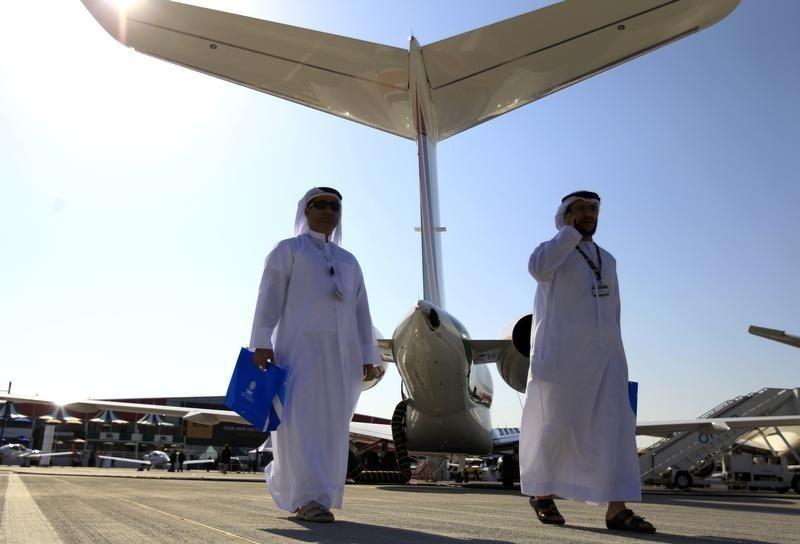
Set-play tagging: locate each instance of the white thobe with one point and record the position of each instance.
(578, 434)
(322, 332)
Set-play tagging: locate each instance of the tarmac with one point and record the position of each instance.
(116, 505)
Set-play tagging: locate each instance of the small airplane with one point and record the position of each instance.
(152, 459)
(17, 454)
(426, 94)
(157, 459)
(160, 459)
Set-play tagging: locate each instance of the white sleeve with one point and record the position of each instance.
(366, 332)
(615, 287)
(550, 255)
(271, 295)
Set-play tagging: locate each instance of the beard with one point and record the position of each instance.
(586, 230)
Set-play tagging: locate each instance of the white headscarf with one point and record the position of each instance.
(301, 221)
(565, 205)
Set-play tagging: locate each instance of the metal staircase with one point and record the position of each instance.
(694, 451)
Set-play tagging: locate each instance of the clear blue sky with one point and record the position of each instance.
(138, 200)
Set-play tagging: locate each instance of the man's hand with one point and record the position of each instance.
(263, 358)
(372, 372)
(570, 219)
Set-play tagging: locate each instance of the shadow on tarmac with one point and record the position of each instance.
(763, 505)
(348, 532)
(665, 537)
(449, 490)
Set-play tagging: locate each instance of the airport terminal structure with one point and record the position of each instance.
(767, 458)
(132, 435)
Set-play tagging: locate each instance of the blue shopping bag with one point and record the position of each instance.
(633, 395)
(255, 394)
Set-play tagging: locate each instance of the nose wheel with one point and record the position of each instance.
(399, 437)
(403, 474)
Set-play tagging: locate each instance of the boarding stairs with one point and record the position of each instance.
(693, 451)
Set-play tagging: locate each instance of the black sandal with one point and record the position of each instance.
(628, 521)
(546, 511)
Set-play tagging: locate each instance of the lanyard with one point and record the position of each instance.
(596, 269)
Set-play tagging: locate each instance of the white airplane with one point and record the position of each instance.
(427, 94)
(159, 459)
(152, 459)
(787, 438)
(17, 454)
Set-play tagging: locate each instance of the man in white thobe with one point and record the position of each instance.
(313, 305)
(578, 436)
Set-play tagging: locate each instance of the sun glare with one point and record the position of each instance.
(123, 4)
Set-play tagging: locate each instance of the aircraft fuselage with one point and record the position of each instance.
(449, 396)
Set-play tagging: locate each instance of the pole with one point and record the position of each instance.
(6, 413)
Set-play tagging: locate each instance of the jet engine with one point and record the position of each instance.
(369, 384)
(514, 360)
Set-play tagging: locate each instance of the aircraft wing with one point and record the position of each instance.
(357, 80)
(479, 75)
(198, 462)
(53, 454)
(665, 428)
(372, 431)
(205, 416)
(483, 351)
(510, 436)
(778, 336)
(27, 400)
(386, 349)
(488, 351)
(125, 460)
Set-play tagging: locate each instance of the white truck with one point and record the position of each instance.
(739, 471)
(758, 472)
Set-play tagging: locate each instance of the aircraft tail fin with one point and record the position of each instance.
(484, 73)
(354, 79)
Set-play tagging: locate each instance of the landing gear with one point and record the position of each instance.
(683, 480)
(399, 437)
(510, 470)
(356, 472)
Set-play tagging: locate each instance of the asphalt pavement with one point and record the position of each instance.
(41, 505)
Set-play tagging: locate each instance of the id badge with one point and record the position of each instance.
(600, 290)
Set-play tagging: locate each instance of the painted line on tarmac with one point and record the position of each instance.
(191, 521)
(174, 516)
(22, 520)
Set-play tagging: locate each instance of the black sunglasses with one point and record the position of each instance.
(322, 204)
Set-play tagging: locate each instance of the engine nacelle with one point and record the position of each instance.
(369, 384)
(514, 360)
